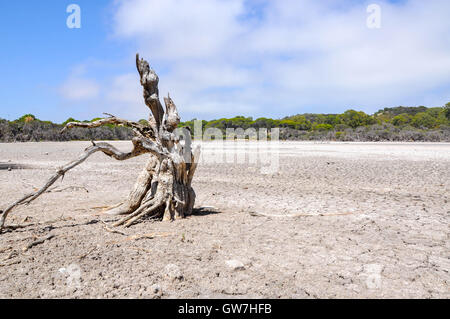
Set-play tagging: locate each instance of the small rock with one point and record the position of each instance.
(173, 272)
(235, 264)
(155, 288)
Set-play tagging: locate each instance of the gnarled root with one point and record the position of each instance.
(169, 198)
(140, 189)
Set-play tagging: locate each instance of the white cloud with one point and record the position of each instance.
(219, 57)
(181, 28)
(122, 96)
(78, 89)
(125, 89)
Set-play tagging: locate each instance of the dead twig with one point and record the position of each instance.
(27, 218)
(11, 263)
(15, 226)
(56, 190)
(101, 207)
(141, 249)
(3, 250)
(147, 236)
(256, 214)
(37, 242)
(11, 255)
(18, 226)
(112, 230)
(87, 254)
(339, 214)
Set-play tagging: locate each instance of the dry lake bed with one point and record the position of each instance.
(286, 220)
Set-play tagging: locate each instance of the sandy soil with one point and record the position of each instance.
(376, 224)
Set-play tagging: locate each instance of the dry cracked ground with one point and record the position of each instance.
(349, 220)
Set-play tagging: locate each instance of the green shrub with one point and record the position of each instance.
(340, 135)
(423, 120)
(322, 127)
(26, 118)
(354, 119)
(447, 111)
(70, 119)
(401, 119)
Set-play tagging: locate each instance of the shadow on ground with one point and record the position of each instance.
(204, 211)
(11, 166)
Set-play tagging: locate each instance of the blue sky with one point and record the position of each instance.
(220, 58)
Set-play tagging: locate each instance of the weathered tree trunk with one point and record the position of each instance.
(163, 189)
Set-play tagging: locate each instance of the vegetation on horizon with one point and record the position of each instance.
(391, 124)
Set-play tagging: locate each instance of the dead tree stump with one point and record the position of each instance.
(163, 189)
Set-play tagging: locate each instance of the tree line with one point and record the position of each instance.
(30, 129)
(389, 124)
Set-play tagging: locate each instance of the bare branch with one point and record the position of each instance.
(106, 148)
(139, 129)
(149, 81)
(171, 118)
